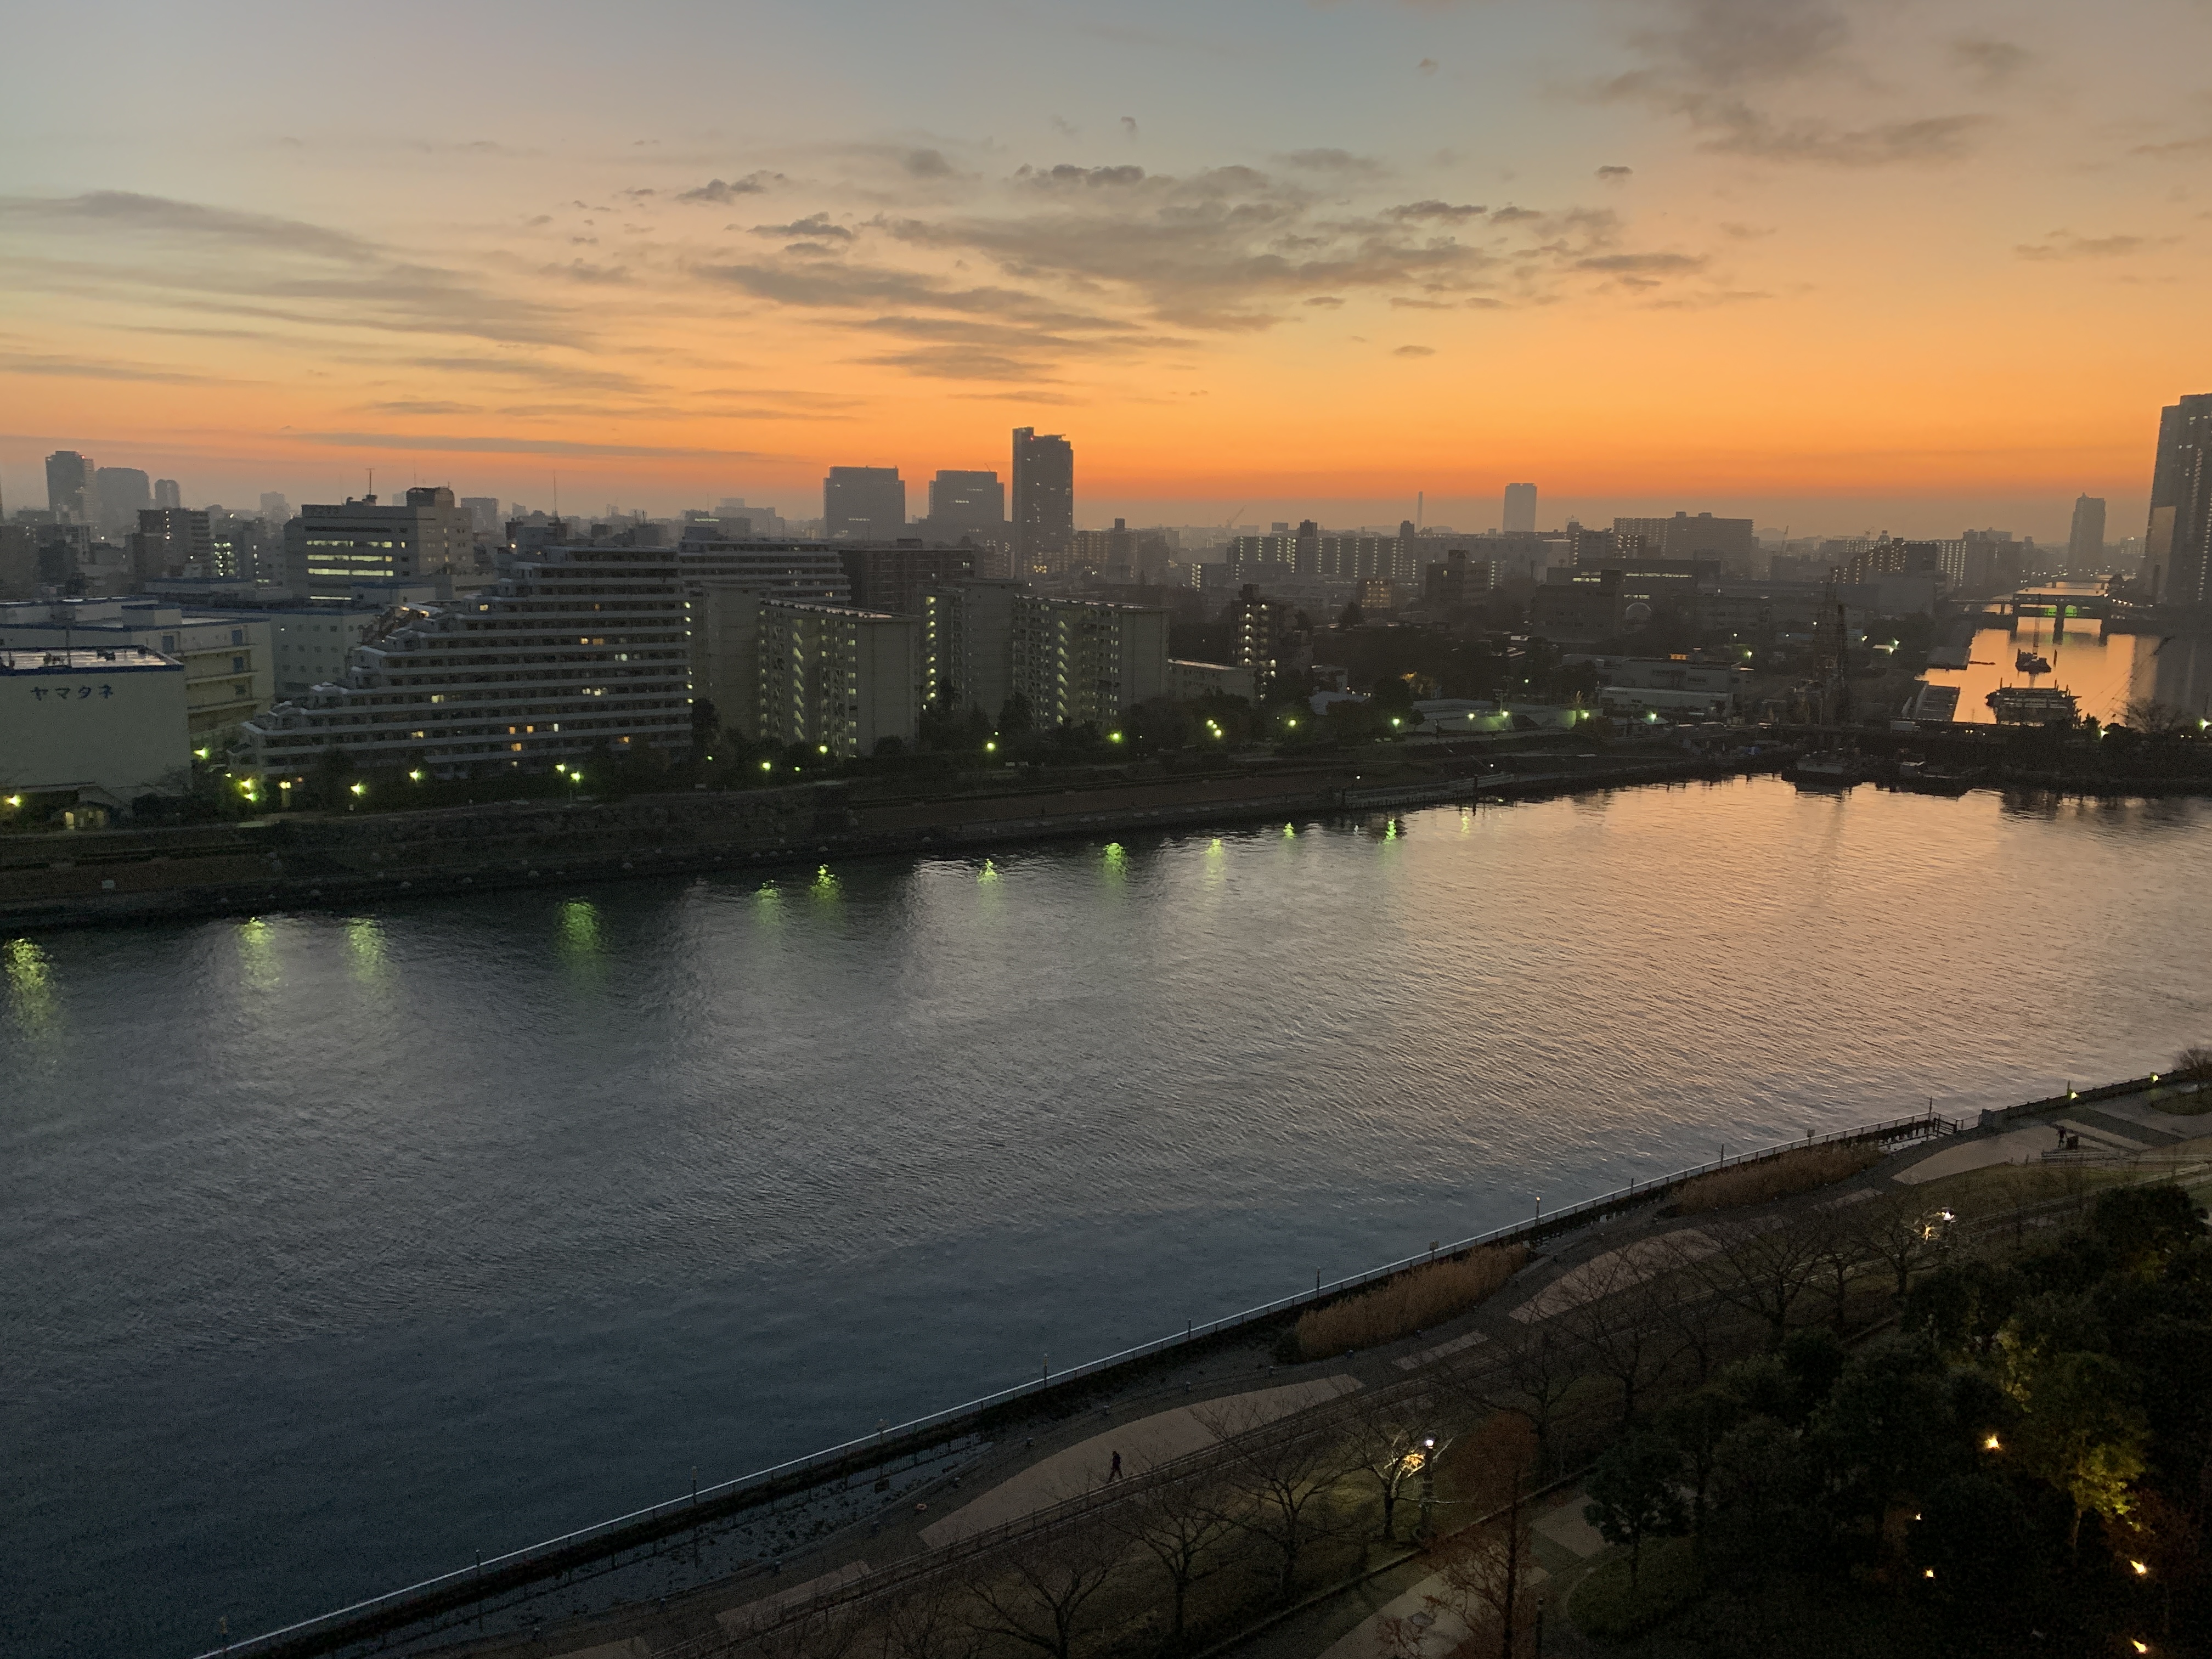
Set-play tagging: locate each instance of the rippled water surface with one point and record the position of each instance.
(333, 1248)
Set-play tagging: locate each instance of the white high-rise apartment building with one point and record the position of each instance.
(573, 647)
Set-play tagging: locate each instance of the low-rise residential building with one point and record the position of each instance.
(1186, 680)
(225, 654)
(573, 647)
(102, 724)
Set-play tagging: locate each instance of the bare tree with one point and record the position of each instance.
(1618, 1329)
(2154, 719)
(1485, 1568)
(1531, 1374)
(1692, 1316)
(1904, 1233)
(1393, 1435)
(1038, 1590)
(1763, 1271)
(1180, 1523)
(1841, 1255)
(1283, 1482)
(779, 1631)
(928, 1620)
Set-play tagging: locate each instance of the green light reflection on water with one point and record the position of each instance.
(30, 983)
(365, 944)
(580, 930)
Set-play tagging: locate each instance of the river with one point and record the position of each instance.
(336, 1247)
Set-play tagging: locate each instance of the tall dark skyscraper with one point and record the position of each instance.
(1044, 501)
(2085, 543)
(863, 504)
(2177, 544)
(1519, 508)
(68, 486)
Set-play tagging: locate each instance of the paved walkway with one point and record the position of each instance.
(1143, 1444)
(2131, 1124)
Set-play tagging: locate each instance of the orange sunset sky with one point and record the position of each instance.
(1834, 264)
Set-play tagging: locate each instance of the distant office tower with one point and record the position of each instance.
(275, 507)
(327, 550)
(1044, 501)
(1520, 508)
(967, 501)
(483, 514)
(68, 486)
(863, 504)
(167, 492)
(1704, 536)
(120, 494)
(172, 541)
(2178, 546)
(2085, 543)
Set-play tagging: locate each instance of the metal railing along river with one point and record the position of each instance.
(395, 1609)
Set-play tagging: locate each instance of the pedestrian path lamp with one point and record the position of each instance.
(1428, 1483)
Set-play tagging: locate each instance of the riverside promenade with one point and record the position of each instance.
(1059, 1449)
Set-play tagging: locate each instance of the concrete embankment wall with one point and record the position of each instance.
(309, 862)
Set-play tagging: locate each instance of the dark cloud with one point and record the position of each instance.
(965, 363)
(576, 271)
(124, 213)
(1329, 300)
(1130, 126)
(1641, 264)
(2065, 244)
(1613, 174)
(1414, 351)
(149, 249)
(721, 192)
(928, 164)
(1933, 139)
(1717, 64)
(420, 407)
(1428, 66)
(818, 225)
(1081, 178)
(1331, 161)
(1990, 64)
(1435, 212)
(535, 371)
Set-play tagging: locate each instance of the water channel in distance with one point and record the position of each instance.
(336, 1247)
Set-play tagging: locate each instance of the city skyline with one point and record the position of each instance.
(1779, 260)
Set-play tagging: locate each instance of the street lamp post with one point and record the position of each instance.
(1428, 1484)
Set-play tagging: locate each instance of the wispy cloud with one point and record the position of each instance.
(456, 444)
(2065, 244)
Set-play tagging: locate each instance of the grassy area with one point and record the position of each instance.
(1411, 1302)
(1799, 1171)
(1604, 1605)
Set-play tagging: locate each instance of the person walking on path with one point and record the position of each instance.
(1114, 1473)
